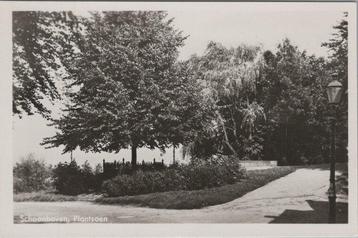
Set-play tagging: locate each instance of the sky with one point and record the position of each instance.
(230, 25)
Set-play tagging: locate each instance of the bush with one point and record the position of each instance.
(204, 197)
(213, 172)
(252, 148)
(31, 175)
(195, 175)
(71, 179)
(68, 179)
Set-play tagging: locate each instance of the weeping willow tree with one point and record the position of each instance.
(230, 79)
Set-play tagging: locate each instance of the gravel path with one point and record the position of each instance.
(299, 197)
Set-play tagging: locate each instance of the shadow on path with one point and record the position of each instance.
(318, 215)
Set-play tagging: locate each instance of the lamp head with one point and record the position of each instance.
(334, 92)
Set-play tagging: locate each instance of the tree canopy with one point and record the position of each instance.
(126, 88)
(295, 102)
(131, 91)
(270, 105)
(338, 49)
(229, 77)
(338, 64)
(41, 42)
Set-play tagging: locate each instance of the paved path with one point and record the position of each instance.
(299, 197)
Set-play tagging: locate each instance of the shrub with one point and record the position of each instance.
(252, 148)
(213, 172)
(71, 179)
(195, 175)
(31, 175)
(68, 179)
(201, 198)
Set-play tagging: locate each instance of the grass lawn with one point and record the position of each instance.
(44, 196)
(202, 198)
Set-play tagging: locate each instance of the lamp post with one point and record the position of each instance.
(284, 120)
(334, 92)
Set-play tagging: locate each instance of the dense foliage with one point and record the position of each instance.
(195, 199)
(295, 101)
(71, 179)
(126, 89)
(229, 78)
(338, 63)
(294, 92)
(196, 175)
(42, 43)
(271, 105)
(131, 92)
(31, 175)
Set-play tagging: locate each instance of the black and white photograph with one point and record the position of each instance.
(181, 113)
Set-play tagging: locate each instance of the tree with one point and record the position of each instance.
(31, 175)
(230, 78)
(293, 89)
(41, 42)
(267, 105)
(338, 47)
(338, 63)
(132, 92)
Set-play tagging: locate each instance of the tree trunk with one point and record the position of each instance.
(173, 154)
(227, 142)
(134, 156)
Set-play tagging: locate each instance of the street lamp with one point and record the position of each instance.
(285, 115)
(334, 92)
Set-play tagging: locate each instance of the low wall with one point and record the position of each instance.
(258, 163)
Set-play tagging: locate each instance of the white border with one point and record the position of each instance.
(8, 229)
